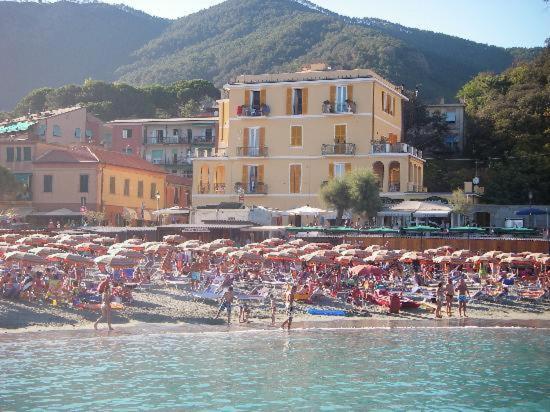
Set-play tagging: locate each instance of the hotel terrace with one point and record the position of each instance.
(283, 136)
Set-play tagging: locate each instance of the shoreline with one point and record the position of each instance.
(327, 323)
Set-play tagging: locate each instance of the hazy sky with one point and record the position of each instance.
(504, 23)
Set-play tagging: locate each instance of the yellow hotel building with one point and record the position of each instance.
(282, 136)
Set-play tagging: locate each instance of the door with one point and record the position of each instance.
(341, 97)
(254, 142)
(252, 179)
(340, 131)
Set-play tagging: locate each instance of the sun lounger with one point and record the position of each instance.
(210, 293)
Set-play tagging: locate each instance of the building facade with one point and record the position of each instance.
(169, 143)
(454, 114)
(282, 136)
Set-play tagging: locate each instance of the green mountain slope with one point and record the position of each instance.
(65, 42)
(256, 36)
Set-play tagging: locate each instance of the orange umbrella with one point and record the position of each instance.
(359, 253)
(411, 256)
(71, 258)
(45, 251)
(117, 262)
(225, 250)
(129, 253)
(346, 260)
(463, 253)
(316, 259)
(160, 248)
(27, 258)
(89, 247)
(365, 270)
(173, 239)
(331, 254)
(10, 237)
(104, 240)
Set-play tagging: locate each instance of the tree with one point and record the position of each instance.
(336, 194)
(9, 185)
(459, 203)
(364, 192)
(190, 109)
(94, 217)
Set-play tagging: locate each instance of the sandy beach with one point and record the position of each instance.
(162, 305)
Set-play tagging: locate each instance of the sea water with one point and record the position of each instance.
(329, 369)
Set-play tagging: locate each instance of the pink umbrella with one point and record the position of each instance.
(367, 270)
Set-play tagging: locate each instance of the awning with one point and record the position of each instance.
(59, 213)
(264, 229)
(431, 213)
(395, 213)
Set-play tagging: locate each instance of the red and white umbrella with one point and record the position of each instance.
(117, 262)
(71, 259)
(25, 257)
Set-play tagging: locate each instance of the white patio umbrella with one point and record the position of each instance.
(306, 211)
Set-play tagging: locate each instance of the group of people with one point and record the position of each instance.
(445, 295)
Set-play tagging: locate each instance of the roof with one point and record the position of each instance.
(41, 115)
(16, 127)
(212, 119)
(179, 180)
(66, 155)
(417, 209)
(124, 160)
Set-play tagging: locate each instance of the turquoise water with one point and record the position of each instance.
(355, 369)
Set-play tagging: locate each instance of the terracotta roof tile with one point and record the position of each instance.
(124, 160)
(66, 156)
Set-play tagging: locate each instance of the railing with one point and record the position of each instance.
(252, 151)
(395, 148)
(416, 188)
(255, 188)
(219, 187)
(168, 140)
(203, 140)
(338, 149)
(204, 188)
(394, 187)
(348, 106)
(253, 111)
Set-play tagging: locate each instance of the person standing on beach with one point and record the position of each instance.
(289, 299)
(273, 305)
(462, 292)
(449, 293)
(227, 301)
(105, 305)
(440, 298)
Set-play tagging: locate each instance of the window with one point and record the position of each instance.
(48, 183)
(126, 187)
(140, 189)
(208, 134)
(89, 133)
(451, 117)
(295, 178)
(296, 101)
(10, 154)
(160, 133)
(296, 135)
(127, 150)
(42, 130)
(388, 103)
(157, 156)
(56, 130)
(175, 132)
(341, 97)
(126, 133)
(189, 135)
(255, 99)
(77, 133)
(153, 190)
(112, 185)
(18, 154)
(341, 169)
(84, 183)
(27, 156)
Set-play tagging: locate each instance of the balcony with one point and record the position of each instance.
(219, 188)
(167, 140)
(255, 188)
(411, 187)
(203, 188)
(202, 140)
(383, 148)
(253, 111)
(179, 161)
(252, 151)
(346, 107)
(347, 149)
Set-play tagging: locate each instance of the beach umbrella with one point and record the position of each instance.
(113, 261)
(421, 229)
(343, 246)
(10, 237)
(466, 229)
(243, 255)
(70, 258)
(530, 211)
(225, 250)
(89, 247)
(306, 211)
(373, 248)
(544, 260)
(304, 228)
(129, 253)
(132, 242)
(341, 229)
(331, 254)
(191, 243)
(382, 256)
(448, 260)
(223, 242)
(315, 259)
(33, 241)
(358, 253)
(409, 257)
(514, 230)
(273, 241)
(173, 239)
(480, 259)
(297, 242)
(104, 240)
(517, 261)
(19, 248)
(367, 270)
(25, 257)
(463, 253)
(380, 230)
(45, 251)
(492, 253)
(61, 246)
(346, 260)
(430, 252)
(159, 248)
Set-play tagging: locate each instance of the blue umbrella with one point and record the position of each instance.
(530, 211)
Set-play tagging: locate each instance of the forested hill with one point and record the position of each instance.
(258, 36)
(65, 42)
(59, 43)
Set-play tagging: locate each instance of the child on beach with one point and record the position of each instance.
(227, 301)
(244, 311)
(440, 298)
(273, 306)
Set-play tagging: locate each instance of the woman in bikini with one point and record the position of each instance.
(105, 306)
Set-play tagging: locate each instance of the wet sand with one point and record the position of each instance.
(163, 307)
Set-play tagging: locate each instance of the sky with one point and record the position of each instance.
(505, 23)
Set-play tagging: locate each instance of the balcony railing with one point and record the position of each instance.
(395, 148)
(204, 188)
(252, 151)
(416, 188)
(203, 139)
(169, 161)
(394, 187)
(219, 187)
(347, 106)
(167, 140)
(253, 111)
(255, 188)
(338, 149)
